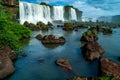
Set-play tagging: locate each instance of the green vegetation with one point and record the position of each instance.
(43, 3)
(49, 24)
(69, 26)
(81, 25)
(90, 33)
(11, 33)
(107, 78)
(42, 25)
(107, 30)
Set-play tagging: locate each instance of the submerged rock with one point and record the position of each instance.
(92, 50)
(64, 63)
(109, 67)
(39, 37)
(119, 58)
(51, 39)
(6, 64)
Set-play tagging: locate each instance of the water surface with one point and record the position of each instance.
(40, 61)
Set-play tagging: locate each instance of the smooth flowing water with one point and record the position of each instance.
(40, 61)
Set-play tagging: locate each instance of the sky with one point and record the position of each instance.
(90, 8)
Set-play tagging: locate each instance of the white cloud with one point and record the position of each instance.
(89, 10)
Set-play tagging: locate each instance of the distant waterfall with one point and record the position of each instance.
(58, 13)
(34, 13)
(73, 14)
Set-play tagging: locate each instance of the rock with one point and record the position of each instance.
(6, 67)
(89, 36)
(6, 64)
(9, 2)
(62, 40)
(75, 78)
(107, 30)
(63, 63)
(68, 26)
(39, 37)
(23, 55)
(119, 58)
(51, 39)
(76, 30)
(109, 67)
(10, 53)
(31, 26)
(92, 50)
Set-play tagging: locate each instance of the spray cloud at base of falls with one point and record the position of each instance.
(34, 13)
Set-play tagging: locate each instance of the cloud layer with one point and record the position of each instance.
(90, 8)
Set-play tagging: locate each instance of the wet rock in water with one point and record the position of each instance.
(31, 26)
(119, 58)
(51, 39)
(39, 37)
(68, 26)
(64, 63)
(41, 60)
(6, 64)
(23, 55)
(89, 36)
(91, 51)
(109, 67)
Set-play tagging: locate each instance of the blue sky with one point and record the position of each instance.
(90, 8)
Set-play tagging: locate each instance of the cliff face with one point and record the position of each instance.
(11, 6)
(10, 2)
(116, 18)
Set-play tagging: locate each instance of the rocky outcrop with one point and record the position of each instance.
(92, 50)
(10, 2)
(6, 64)
(11, 6)
(64, 63)
(109, 67)
(51, 39)
(89, 36)
(31, 26)
(38, 26)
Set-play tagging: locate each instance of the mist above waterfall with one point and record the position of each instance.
(34, 13)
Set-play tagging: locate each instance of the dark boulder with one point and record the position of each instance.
(51, 39)
(64, 63)
(32, 26)
(92, 50)
(118, 58)
(39, 37)
(108, 67)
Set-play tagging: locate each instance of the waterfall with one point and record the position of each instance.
(34, 13)
(73, 14)
(58, 13)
